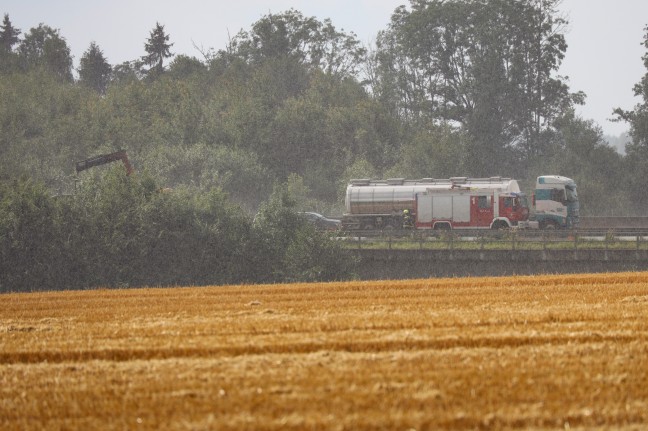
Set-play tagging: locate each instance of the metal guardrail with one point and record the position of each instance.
(486, 239)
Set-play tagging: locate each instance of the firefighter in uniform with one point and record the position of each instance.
(408, 222)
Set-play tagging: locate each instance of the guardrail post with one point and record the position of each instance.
(544, 241)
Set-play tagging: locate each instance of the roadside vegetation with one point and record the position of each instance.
(120, 231)
(291, 103)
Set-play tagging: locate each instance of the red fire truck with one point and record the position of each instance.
(472, 203)
(452, 203)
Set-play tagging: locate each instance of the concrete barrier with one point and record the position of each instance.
(613, 223)
(407, 264)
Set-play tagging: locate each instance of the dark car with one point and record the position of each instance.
(320, 222)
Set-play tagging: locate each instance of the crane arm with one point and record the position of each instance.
(103, 159)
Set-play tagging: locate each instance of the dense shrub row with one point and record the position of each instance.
(121, 231)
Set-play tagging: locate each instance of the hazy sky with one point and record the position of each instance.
(604, 36)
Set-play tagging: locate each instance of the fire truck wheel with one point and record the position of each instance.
(548, 225)
(500, 225)
(398, 223)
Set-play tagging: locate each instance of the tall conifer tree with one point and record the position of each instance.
(8, 34)
(94, 70)
(157, 48)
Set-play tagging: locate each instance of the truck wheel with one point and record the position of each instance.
(390, 225)
(548, 225)
(500, 225)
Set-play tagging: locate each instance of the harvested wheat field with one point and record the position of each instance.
(483, 353)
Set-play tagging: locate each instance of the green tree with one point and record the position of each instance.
(191, 237)
(305, 40)
(292, 250)
(94, 70)
(44, 47)
(138, 115)
(128, 72)
(487, 66)
(436, 151)
(184, 67)
(8, 38)
(578, 150)
(157, 48)
(29, 238)
(233, 170)
(45, 126)
(637, 150)
(8, 34)
(294, 129)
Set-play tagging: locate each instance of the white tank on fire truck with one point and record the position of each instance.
(377, 204)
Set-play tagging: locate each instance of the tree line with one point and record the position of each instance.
(450, 88)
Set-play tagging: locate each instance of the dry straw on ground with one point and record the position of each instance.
(483, 353)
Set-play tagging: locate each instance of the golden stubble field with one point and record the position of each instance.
(546, 352)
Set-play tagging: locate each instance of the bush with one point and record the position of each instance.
(131, 233)
(120, 231)
(292, 249)
(30, 246)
